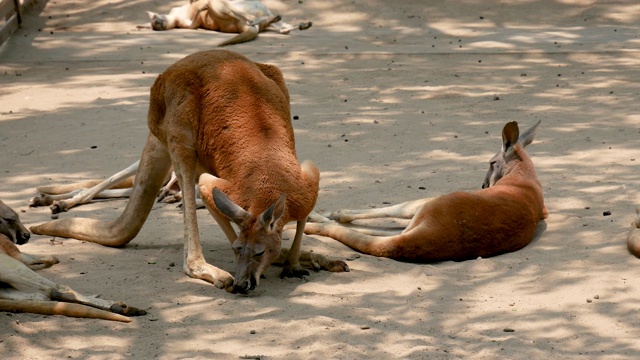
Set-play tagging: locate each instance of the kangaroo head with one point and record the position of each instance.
(11, 227)
(259, 240)
(158, 22)
(499, 165)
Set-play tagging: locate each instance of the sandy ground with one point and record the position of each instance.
(396, 100)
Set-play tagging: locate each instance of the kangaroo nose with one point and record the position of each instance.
(242, 288)
(23, 238)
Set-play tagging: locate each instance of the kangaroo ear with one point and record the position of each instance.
(527, 137)
(270, 217)
(228, 208)
(510, 134)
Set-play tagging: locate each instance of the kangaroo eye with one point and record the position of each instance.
(10, 221)
(258, 254)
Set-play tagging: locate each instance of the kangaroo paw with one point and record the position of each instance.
(209, 273)
(305, 25)
(58, 207)
(42, 200)
(291, 271)
(124, 309)
(319, 262)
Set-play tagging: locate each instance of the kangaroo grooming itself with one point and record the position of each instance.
(633, 239)
(500, 218)
(22, 290)
(246, 17)
(218, 117)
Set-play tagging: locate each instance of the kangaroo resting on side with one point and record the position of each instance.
(246, 17)
(217, 116)
(22, 290)
(500, 218)
(62, 197)
(633, 239)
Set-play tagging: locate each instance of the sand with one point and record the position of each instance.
(395, 101)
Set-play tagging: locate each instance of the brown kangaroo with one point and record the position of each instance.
(633, 239)
(22, 290)
(501, 218)
(246, 17)
(222, 116)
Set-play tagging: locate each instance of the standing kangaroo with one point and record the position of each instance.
(501, 218)
(218, 117)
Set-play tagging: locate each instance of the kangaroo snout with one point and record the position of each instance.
(244, 286)
(11, 227)
(22, 237)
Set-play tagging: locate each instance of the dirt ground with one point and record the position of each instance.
(396, 100)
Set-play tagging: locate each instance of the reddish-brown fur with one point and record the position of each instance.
(217, 113)
(462, 225)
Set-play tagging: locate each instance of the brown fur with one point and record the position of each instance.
(218, 114)
(22, 290)
(633, 239)
(246, 17)
(461, 225)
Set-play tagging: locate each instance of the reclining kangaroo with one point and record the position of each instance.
(633, 239)
(62, 197)
(218, 116)
(246, 17)
(22, 290)
(462, 225)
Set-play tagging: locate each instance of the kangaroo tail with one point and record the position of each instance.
(60, 308)
(247, 35)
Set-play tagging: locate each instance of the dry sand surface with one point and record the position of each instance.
(396, 100)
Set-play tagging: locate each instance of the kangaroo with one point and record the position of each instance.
(633, 239)
(61, 198)
(246, 17)
(22, 290)
(500, 218)
(220, 118)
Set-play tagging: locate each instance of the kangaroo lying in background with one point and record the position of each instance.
(22, 290)
(246, 17)
(633, 239)
(62, 197)
(500, 218)
(220, 118)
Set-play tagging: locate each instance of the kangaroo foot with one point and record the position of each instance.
(209, 273)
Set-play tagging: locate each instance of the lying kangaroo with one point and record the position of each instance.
(633, 239)
(219, 117)
(22, 290)
(62, 197)
(462, 225)
(246, 17)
